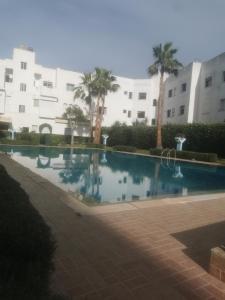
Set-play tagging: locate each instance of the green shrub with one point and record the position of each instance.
(124, 148)
(208, 157)
(97, 146)
(199, 137)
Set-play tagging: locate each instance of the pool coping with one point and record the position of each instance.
(82, 208)
(124, 152)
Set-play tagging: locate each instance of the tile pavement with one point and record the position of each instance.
(152, 252)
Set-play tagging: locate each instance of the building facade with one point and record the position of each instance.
(35, 97)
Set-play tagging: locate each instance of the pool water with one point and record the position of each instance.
(99, 176)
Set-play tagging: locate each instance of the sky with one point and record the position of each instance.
(115, 34)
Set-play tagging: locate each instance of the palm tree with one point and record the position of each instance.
(85, 92)
(103, 83)
(164, 63)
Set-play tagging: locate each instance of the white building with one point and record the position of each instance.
(197, 94)
(32, 95)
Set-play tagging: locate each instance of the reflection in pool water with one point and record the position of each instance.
(113, 177)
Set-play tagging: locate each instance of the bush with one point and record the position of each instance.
(27, 245)
(97, 146)
(124, 148)
(208, 157)
(199, 137)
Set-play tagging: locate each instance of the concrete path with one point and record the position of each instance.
(157, 250)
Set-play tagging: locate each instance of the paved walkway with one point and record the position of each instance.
(149, 252)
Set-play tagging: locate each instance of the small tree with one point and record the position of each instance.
(75, 116)
(164, 63)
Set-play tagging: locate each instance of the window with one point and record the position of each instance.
(130, 96)
(21, 108)
(37, 76)
(168, 113)
(23, 65)
(124, 111)
(183, 87)
(142, 96)
(141, 114)
(48, 84)
(170, 93)
(23, 87)
(182, 107)
(153, 122)
(70, 87)
(36, 102)
(8, 75)
(154, 102)
(208, 81)
(34, 128)
(125, 92)
(129, 114)
(222, 105)
(223, 76)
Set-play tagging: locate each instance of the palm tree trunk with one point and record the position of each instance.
(91, 121)
(97, 122)
(160, 113)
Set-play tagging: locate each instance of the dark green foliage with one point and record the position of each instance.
(208, 157)
(97, 146)
(124, 148)
(27, 245)
(200, 137)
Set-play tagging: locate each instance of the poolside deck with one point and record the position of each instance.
(148, 251)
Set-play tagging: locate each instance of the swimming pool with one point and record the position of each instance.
(101, 177)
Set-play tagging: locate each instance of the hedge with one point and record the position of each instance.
(199, 137)
(125, 148)
(208, 157)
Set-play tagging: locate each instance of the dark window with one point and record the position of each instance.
(182, 108)
(153, 122)
(37, 76)
(8, 75)
(208, 81)
(125, 92)
(142, 96)
(23, 65)
(170, 93)
(141, 114)
(168, 113)
(154, 102)
(23, 87)
(22, 108)
(70, 87)
(183, 87)
(129, 114)
(224, 76)
(130, 95)
(124, 111)
(222, 105)
(48, 84)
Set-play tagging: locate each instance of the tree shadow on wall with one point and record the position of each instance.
(201, 240)
(26, 246)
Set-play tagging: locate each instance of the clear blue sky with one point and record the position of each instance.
(115, 34)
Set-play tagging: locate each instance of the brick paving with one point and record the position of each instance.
(154, 252)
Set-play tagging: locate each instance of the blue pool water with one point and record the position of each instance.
(115, 177)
